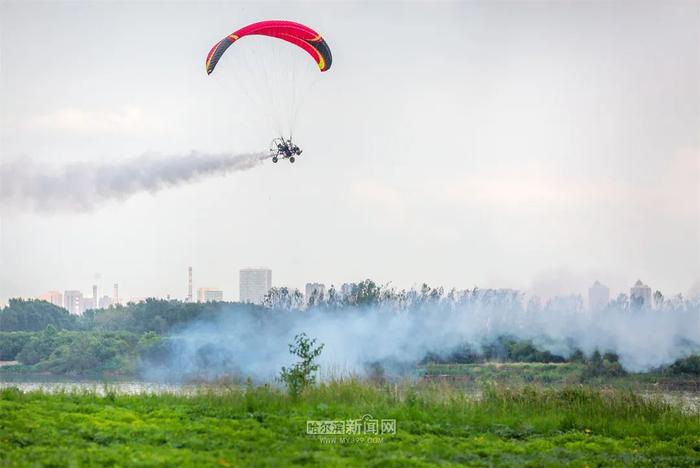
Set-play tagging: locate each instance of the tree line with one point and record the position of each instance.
(48, 338)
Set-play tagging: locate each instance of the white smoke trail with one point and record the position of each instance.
(86, 185)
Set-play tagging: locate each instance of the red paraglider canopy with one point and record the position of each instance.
(295, 33)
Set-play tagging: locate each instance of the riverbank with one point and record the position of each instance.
(433, 424)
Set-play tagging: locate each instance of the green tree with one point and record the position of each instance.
(605, 366)
(284, 298)
(77, 356)
(11, 343)
(39, 347)
(364, 293)
(658, 299)
(303, 373)
(578, 356)
(34, 315)
(689, 365)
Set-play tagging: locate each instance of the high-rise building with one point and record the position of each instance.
(73, 302)
(314, 292)
(209, 295)
(255, 283)
(598, 297)
(189, 284)
(95, 300)
(54, 297)
(105, 302)
(640, 295)
(88, 303)
(115, 298)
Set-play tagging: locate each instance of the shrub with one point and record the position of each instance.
(11, 343)
(689, 365)
(301, 374)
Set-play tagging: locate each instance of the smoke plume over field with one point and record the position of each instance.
(85, 186)
(254, 343)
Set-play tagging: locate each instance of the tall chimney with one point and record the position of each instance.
(115, 299)
(189, 284)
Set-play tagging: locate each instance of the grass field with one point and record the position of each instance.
(235, 426)
(506, 373)
(551, 375)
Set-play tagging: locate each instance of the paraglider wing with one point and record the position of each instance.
(295, 33)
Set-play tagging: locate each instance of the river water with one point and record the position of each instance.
(102, 388)
(689, 401)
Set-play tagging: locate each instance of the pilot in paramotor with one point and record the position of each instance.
(296, 34)
(281, 148)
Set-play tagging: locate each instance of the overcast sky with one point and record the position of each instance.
(528, 145)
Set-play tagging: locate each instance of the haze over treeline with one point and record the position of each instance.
(368, 326)
(400, 328)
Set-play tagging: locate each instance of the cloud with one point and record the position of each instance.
(678, 188)
(128, 119)
(674, 190)
(375, 193)
(509, 190)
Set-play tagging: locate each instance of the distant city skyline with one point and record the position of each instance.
(254, 282)
(231, 292)
(597, 292)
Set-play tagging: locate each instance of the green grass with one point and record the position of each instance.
(436, 424)
(506, 373)
(551, 375)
